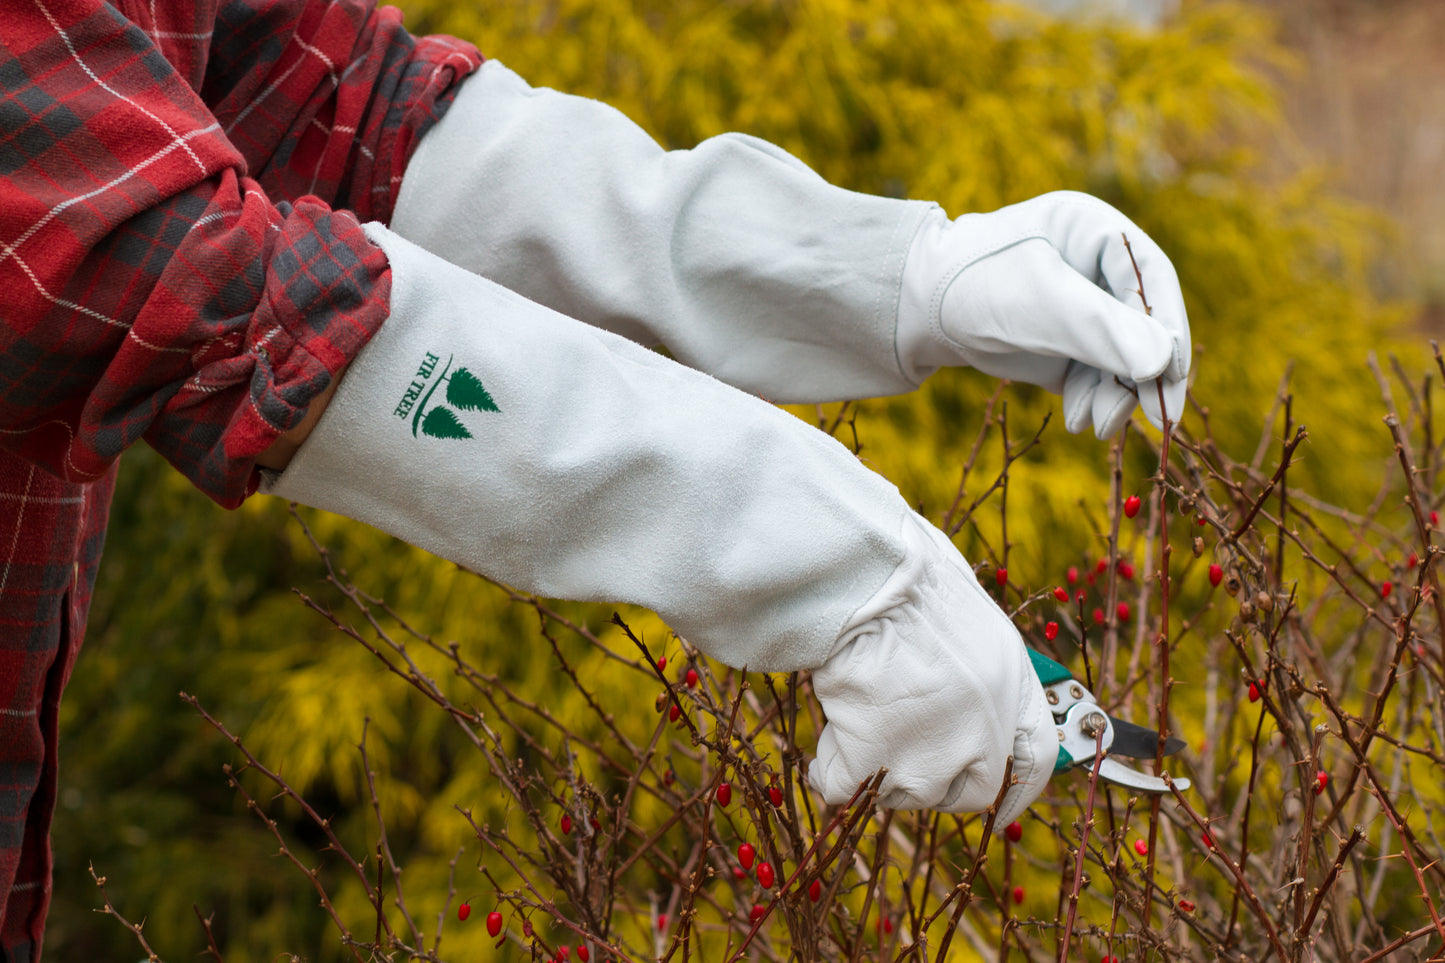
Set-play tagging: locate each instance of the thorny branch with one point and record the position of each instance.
(602, 823)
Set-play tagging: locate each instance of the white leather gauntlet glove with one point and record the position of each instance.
(573, 463)
(749, 266)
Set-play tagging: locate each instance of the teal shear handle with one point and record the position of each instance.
(1052, 673)
(1048, 671)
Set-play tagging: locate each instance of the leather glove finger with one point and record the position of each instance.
(1090, 235)
(1090, 397)
(1027, 299)
(1174, 396)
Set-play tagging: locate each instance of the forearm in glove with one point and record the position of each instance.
(571, 462)
(748, 265)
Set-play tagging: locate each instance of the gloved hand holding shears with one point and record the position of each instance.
(504, 423)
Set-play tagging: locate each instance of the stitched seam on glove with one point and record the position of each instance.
(935, 300)
(899, 265)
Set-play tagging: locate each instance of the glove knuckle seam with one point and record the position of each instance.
(980, 251)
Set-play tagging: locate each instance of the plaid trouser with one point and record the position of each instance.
(51, 532)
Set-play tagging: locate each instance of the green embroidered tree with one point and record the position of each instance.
(466, 392)
(442, 422)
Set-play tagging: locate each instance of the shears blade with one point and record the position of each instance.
(1138, 742)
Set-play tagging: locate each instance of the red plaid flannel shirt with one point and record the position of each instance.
(181, 189)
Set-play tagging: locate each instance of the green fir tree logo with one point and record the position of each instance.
(465, 392)
(442, 422)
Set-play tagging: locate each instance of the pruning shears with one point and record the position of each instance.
(1079, 719)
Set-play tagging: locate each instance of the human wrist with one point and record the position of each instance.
(284, 448)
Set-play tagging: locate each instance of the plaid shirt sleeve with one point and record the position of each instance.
(178, 265)
(181, 189)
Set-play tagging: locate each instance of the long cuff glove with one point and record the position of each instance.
(751, 267)
(573, 463)
(734, 254)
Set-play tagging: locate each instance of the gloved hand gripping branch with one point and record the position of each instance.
(573, 463)
(1045, 292)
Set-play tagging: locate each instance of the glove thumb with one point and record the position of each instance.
(1036, 749)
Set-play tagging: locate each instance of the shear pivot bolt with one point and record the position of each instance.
(1076, 691)
(1093, 723)
(1053, 697)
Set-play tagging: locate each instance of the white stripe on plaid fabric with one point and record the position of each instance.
(330, 67)
(65, 37)
(15, 542)
(39, 500)
(8, 250)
